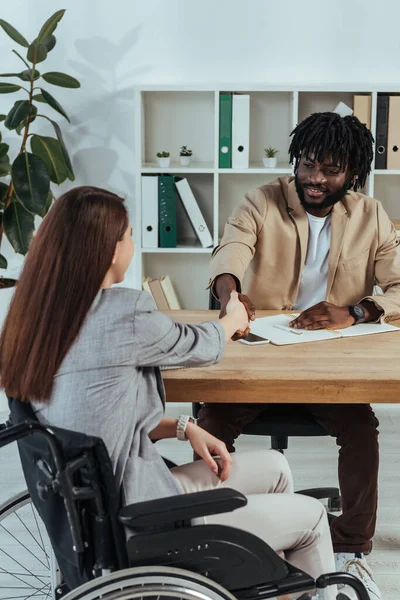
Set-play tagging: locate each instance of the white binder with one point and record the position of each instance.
(150, 211)
(193, 212)
(240, 131)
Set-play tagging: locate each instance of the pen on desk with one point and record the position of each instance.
(288, 330)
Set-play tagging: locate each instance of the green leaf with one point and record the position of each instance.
(2, 118)
(18, 113)
(20, 57)
(50, 42)
(49, 202)
(36, 53)
(9, 88)
(27, 75)
(19, 225)
(14, 34)
(3, 194)
(67, 160)
(3, 262)
(9, 74)
(31, 181)
(5, 167)
(54, 104)
(39, 98)
(61, 79)
(4, 149)
(49, 150)
(50, 25)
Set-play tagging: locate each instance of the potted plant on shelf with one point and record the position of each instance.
(270, 159)
(25, 181)
(185, 155)
(163, 159)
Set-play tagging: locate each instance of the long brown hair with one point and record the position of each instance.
(64, 269)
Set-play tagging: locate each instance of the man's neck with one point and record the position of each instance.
(321, 212)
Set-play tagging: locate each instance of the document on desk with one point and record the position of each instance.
(277, 331)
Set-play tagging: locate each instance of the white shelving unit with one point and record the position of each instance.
(167, 117)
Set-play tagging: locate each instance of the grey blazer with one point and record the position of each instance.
(109, 384)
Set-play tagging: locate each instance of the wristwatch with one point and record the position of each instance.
(181, 427)
(357, 312)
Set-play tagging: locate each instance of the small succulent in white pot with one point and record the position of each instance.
(163, 159)
(185, 155)
(270, 158)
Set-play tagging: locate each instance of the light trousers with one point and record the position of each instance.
(294, 526)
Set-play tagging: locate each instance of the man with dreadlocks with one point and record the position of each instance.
(313, 243)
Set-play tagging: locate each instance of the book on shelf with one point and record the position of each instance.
(167, 211)
(169, 293)
(393, 136)
(225, 131)
(162, 291)
(276, 329)
(362, 108)
(193, 211)
(240, 131)
(382, 113)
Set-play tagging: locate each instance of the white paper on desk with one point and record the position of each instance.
(264, 327)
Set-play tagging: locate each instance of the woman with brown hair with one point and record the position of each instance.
(87, 357)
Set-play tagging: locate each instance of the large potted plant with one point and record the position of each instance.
(41, 160)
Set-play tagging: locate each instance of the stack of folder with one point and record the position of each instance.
(387, 137)
(163, 292)
(234, 131)
(159, 204)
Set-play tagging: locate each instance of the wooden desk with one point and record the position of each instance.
(353, 370)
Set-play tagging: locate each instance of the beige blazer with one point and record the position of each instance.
(266, 239)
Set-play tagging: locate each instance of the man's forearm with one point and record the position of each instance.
(224, 285)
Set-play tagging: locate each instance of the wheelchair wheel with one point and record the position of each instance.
(157, 583)
(26, 564)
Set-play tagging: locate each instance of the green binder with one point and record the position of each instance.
(167, 211)
(225, 131)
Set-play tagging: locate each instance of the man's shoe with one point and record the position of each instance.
(356, 564)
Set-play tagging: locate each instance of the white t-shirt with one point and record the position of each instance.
(314, 277)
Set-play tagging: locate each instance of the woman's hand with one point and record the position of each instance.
(205, 444)
(236, 320)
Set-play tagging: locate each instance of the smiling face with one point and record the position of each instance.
(320, 185)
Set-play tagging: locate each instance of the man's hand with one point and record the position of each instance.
(204, 444)
(324, 315)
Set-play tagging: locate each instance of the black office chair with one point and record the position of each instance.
(70, 479)
(281, 422)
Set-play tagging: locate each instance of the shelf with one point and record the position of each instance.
(259, 168)
(176, 167)
(386, 171)
(184, 247)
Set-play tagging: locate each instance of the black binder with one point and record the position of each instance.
(382, 115)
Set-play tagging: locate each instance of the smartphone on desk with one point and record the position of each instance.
(252, 339)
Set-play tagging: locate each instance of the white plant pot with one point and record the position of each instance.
(270, 162)
(163, 162)
(185, 160)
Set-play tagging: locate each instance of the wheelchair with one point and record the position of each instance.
(92, 547)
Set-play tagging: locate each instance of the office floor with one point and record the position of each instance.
(313, 463)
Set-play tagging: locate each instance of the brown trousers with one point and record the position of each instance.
(355, 428)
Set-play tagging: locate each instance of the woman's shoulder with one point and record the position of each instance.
(121, 300)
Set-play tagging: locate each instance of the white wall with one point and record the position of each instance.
(112, 46)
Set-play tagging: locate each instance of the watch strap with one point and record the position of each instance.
(181, 427)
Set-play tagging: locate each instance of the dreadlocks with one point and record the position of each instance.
(348, 141)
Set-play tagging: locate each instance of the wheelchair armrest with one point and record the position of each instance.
(180, 508)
